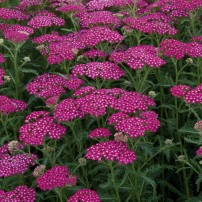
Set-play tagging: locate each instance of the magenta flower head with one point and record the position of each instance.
(74, 82)
(83, 91)
(198, 126)
(179, 90)
(98, 34)
(71, 8)
(38, 125)
(101, 5)
(137, 126)
(19, 194)
(13, 164)
(47, 86)
(104, 70)
(67, 110)
(48, 38)
(58, 176)
(138, 56)
(61, 51)
(150, 23)
(112, 151)
(2, 73)
(17, 33)
(194, 96)
(173, 48)
(132, 102)
(197, 39)
(194, 50)
(41, 21)
(99, 133)
(84, 195)
(7, 14)
(8, 105)
(90, 19)
(199, 151)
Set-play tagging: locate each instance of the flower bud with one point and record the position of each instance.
(7, 78)
(119, 137)
(169, 142)
(38, 171)
(152, 94)
(13, 145)
(82, 161)
(26, 59)
(40, 47)
(189, 60)
(1, 42)
(181, 158)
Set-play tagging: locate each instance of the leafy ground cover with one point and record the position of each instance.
(100, 100)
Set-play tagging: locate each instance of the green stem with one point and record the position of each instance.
(114, 182)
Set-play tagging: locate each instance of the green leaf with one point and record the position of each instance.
(29, 71)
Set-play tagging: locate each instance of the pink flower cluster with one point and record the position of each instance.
(8, 105)
(60, 51)
(83, 91)
(155, 22)
(174, 8)
(89, 19)
(198, 125)
(38, 125)
(84, 195)
(58, 176)
(197, 39)
(7, 14)
(70, 8)
(194, 95)
(17, 33)
(93, 70)
(98, 34)
(48, 86)
(11, 164)
(191, 96)
(111, 150)
(19, 194)
(139, 56)
(48, 38)
(23, 4)
(177, 49)
(99, 133)
(137, 126)
(179, 90)
(41, 20)
(101, 5)
(67, 110)
(132, 102)
(199, 151)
